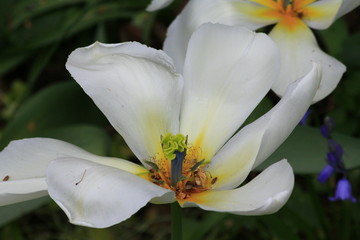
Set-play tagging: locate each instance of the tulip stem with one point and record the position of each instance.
(176, 222)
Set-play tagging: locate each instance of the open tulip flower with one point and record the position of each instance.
(292, 19)
(181, 126)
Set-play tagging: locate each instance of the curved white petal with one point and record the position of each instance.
(347, 6)
(321, 14)
(233, 163)
(98, 196)
(237, 158)
(198, 12)
(298, 50)
(281, 120)
(13, 191)
(265, 194)
(24, 162)
(158, 4)
(136, 87)
(228, 70)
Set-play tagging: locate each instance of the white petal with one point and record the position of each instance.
(136, 87)
(233, 163)
(322, 13)
(98, 196)
(347, 6)
(13, 191)
(258, 140)
(298, 50)
(24, 162)
(281, 120)
(265, 194)
(228, 70)
(158, 4)
(199, 12)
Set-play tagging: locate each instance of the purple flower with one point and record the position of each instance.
(327, 127)
(325, 131)
(304, 119)
(326, 173)
(332, 160)
(335, 148)
(343, 191)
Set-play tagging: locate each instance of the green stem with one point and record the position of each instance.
(176, 222)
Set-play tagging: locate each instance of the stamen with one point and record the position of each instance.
(196, 165)
(153, 166)
(185, 175)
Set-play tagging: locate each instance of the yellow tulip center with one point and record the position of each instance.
(180, 168)
(288, 12)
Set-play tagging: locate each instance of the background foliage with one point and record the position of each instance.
(39, 98)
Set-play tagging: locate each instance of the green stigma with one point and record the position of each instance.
(171, 143)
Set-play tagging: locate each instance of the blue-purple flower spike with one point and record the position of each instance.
(334, 155)
(343, 191)
(335, 164)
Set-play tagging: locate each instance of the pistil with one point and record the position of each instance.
(185, 173)
(176, 167)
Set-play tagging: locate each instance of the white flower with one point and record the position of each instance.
(158, 4)
(297, 44)
(182, 128)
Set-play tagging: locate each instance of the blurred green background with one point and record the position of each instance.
(39, 98)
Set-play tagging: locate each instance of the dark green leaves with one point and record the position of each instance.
(306, 149)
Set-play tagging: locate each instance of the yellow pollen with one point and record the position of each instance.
(194, 178)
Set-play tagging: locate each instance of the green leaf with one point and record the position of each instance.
(91, 138)
(351, 48)
(11, 212)
(334, 37)
(306, 149)
(47, 23)
(197, 230)
(56, 106)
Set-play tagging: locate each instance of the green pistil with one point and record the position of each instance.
(174, 148)
(171, 143)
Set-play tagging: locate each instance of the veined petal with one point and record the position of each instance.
(136, 87)
(321, 14)
(198, 12)
(265, 194)
(158, 4)
(298, 50)
(347, 6)
(228, 70)
(24, 163)
(98, 196)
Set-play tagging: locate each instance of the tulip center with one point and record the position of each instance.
(180, 167)
(288, 12)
